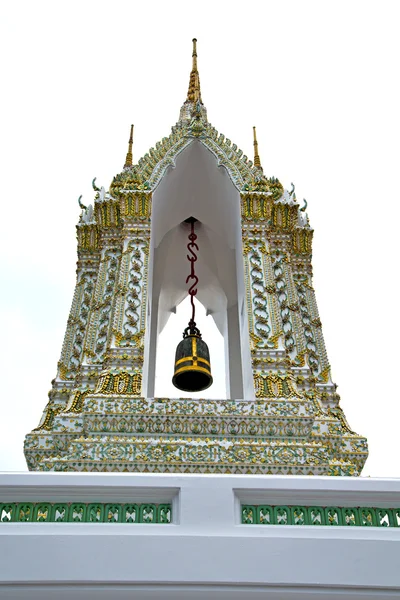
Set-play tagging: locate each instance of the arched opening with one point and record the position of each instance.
(196, 187)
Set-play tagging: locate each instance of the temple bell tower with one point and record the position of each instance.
(282, 414)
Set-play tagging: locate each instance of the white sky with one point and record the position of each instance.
(321, 82)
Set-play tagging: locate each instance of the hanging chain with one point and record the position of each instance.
(192, 246)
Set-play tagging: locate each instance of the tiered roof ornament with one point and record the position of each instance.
(193, 123)
(193, 105)
(97, 418)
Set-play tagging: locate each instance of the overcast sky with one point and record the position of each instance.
(321, 82)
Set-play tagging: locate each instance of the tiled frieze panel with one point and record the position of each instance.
(78, 512)
(141, 416)
(357, 516)
(169, 453)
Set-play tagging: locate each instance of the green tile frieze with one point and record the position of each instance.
(320, 515)
(78, 512)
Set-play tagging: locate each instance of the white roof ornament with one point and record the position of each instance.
(285, 198)
(288, 197)
(87, 215)
(302, 219)
(101, 194)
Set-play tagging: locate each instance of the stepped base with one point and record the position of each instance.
(267, 436)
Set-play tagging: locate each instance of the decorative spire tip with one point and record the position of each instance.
(128, 160)
(257, 161)
(194, 93)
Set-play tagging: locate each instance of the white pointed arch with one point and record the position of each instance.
(197, 187)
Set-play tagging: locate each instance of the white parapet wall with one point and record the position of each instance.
(147, 536)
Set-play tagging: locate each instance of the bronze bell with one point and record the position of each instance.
(192, 363)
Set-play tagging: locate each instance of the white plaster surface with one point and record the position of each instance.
(206, 552)
(198, 187)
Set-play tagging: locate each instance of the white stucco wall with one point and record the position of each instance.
(206, 552)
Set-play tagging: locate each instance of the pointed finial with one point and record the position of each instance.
(128, 160)
(257, 161)
(194, 55)
(194, 93)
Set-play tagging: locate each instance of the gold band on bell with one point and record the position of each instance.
(189, 358)
(192, 368)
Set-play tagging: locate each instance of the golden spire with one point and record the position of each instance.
(257, 161)
(194, 93)
(128, 160)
